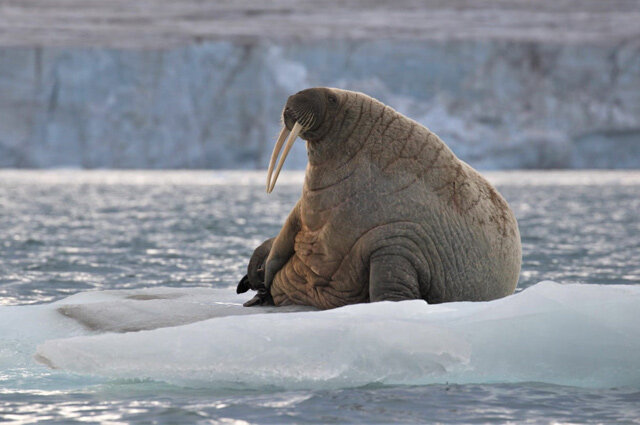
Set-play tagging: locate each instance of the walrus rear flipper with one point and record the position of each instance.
(254, 279)
(243, 285)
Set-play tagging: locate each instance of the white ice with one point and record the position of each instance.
(571, 334)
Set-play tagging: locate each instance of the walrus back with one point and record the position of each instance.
(470, 221)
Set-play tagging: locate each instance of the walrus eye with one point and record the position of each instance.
(333, 99)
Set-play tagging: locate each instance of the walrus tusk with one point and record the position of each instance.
(276, 150)
(295, 131)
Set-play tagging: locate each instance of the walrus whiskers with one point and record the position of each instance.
(307, 119)
(295, 131)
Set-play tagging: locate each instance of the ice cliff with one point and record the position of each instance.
(216, 104)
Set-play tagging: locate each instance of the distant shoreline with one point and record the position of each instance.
(147, 24)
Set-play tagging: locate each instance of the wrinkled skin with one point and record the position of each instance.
(387, 212)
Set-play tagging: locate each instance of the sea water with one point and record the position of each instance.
(119, 307)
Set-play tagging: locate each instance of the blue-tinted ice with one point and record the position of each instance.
(582, 335)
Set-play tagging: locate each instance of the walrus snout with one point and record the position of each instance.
(303, 113)
(289, 117)
(305, 107)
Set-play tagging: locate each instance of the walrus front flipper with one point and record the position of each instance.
(283, 246)
(263, 297)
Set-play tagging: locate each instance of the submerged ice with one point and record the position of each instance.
(573, 334)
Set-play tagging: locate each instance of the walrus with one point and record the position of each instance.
(387, 212)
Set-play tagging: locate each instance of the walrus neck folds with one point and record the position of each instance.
(323, 170)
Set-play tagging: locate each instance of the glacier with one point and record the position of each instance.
(498, 103)
(582, 335)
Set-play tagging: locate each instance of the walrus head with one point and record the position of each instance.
(309, 114)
